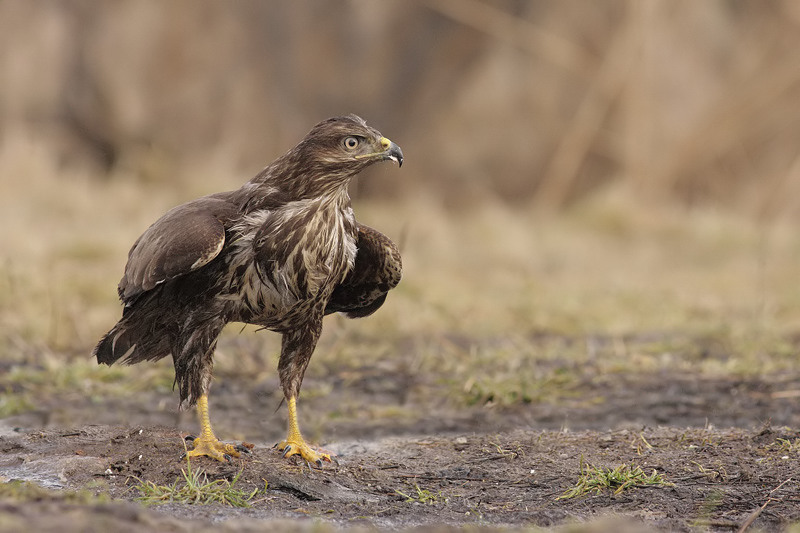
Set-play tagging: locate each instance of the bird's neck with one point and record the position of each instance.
(282, 183)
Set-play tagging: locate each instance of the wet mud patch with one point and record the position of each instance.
(715, 479)
(420, 447)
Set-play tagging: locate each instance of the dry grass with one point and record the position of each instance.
(502, 304)
(27, 491)
(549, 105)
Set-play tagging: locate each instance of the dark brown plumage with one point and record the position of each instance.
(280, 252)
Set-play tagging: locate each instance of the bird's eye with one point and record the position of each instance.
(351, 143)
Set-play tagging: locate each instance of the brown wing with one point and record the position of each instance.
(377, 270)
(184, 239)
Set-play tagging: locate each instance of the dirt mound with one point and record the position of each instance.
(711, 478)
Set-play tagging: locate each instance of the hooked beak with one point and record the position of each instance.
(391, 151)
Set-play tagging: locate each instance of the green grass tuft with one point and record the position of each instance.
(597, 479)
(786, 445)
(422, 496)
(196, 489)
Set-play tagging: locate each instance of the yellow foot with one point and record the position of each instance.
(291, 447)
(211, 447)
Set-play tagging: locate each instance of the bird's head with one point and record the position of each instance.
(332, 153)
(347, 143)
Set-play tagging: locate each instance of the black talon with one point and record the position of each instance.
(319, 463)
(242, 448)
(189, 438)
(227, 458)
(287, 450)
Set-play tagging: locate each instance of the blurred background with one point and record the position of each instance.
(600, 171)
(519, 101)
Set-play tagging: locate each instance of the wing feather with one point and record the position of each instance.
(185, 239)
(378, 269)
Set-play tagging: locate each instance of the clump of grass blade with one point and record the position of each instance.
(786, 445)
(597, 479)
(196, 489)
(422, 496)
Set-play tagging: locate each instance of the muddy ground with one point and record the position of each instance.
(729, 450)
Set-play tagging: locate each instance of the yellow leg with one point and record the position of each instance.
(296, 445)
(207, 443)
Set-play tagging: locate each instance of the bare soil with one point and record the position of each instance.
(723, 445)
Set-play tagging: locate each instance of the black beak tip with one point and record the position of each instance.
(396, 154)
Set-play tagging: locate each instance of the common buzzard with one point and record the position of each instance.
(281, 252)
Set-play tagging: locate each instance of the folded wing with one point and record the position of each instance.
(377, 270)
(183, 240)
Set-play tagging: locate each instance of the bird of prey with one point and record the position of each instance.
(281, 252)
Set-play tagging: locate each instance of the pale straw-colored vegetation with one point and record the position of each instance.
(614, 170)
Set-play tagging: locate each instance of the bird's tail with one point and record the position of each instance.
(133, 340)
(114, 344)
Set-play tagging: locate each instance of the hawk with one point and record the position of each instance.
(281, 252)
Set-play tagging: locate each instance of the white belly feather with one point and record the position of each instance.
(270, 298)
